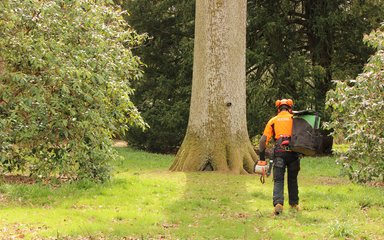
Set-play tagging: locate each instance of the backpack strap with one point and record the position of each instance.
(317, 120)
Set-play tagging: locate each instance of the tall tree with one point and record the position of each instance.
(217, 137)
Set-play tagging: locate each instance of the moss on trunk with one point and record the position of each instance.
(234, 154)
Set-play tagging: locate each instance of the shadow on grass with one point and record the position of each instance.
(39, 194)
(214, 206)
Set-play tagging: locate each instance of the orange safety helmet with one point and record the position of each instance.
(286, 102)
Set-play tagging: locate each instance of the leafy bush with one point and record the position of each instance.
(66, 68)
(357, 114)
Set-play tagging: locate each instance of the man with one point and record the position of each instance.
(280, 127)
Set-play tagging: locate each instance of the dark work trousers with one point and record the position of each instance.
(291, 162)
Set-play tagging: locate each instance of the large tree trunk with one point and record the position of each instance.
(217, 137)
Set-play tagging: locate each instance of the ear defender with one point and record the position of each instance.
(277, 104)
(287, 102)
(290, 104)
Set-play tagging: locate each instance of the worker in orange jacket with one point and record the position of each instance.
(280, 128)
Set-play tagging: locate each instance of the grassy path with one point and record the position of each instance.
(145, 201)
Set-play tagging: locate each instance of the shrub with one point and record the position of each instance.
(357, 114)
(66, 68)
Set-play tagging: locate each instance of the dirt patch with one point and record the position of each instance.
(19, 231)
(330, 181)
(3, 198)
(339, 181)
(120, 143)
(375, 184)
(28, 180)
(17, 179)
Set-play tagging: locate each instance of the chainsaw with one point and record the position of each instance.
(262, 168)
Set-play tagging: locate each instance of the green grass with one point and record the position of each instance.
(146, 201)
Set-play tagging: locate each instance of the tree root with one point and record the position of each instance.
(237, 157)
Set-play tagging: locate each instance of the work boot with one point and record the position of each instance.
(278, 209)
(295, 207)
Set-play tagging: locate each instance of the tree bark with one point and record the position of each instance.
(217, 137)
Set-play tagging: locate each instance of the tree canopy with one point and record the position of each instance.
(66, 73)
(296, 49)
(163, 96)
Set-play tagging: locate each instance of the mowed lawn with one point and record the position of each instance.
(144, 200)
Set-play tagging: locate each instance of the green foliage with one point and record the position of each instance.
(357, 114)
(66, 72)
(163, 95)
(296, 48)
(338, 149)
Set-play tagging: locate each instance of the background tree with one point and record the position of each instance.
(217, 137)
(357, 115)
(296, 48)
(163, 95)
(65, 86)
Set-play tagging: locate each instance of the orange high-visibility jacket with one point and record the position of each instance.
(280, 125)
